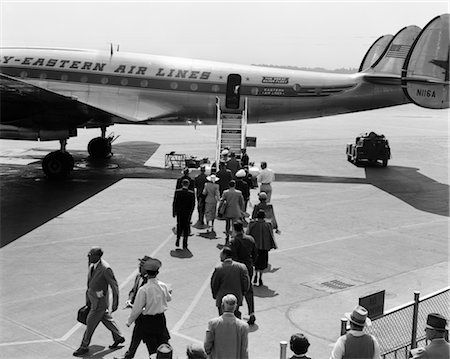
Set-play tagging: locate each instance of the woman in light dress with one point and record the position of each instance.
(211, 191)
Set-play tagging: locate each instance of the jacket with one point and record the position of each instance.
(229, 277)
(97, 294)
(183, 202)
(235, 203)
(227, 338)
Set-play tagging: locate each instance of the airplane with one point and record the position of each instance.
(48, 93)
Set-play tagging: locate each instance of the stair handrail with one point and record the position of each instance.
(218, 133)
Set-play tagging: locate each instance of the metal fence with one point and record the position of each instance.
(402, 328)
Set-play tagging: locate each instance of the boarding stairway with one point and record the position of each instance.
(231, 129)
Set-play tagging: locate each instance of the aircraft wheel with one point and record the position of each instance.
(99, 147)
(57, 165)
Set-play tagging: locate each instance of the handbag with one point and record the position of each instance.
(222, 208)
(83, 313)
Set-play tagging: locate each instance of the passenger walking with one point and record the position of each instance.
(229, 277)
(150, 305)
(262, 232)
(199, 182)
(299, 344)
(244, 251)
(185, 175)
(227, 336)
(100, 277)
(140, 280)
(233, 164)
(265, 178)
(242, 186)
(182, 208)
(212, 196)
(268, 209)
(234, 208)
(244, 158)
(224, 175)
(355, 343)
(436, 330)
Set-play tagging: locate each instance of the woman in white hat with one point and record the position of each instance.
(211, 191)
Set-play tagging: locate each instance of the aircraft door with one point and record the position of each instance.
(233, 95)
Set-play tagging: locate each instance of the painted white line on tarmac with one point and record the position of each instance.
(358, 235)
(193, 304)
(78, 325)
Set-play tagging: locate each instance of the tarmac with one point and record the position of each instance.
(367, 228)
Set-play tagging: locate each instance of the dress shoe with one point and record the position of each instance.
(117, 343)
(251, 320)
(80, 352)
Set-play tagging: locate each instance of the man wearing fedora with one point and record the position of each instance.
(150, 305)
(355, 343)
(435, 331)
(100, 278)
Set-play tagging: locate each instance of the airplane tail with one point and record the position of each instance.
(395, 52)
(425, 74)
(375, 52)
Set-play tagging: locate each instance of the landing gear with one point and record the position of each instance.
(100, 147)
(58, 164)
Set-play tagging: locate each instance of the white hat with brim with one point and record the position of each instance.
(240, 173)
(212, 178)
(359, 316)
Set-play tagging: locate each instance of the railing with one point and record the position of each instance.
(401, 329)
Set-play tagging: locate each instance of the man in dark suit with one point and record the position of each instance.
(185, 176)
(182, 208)
(100, 277)
(224, 176)
(229, 278)
(200, 181)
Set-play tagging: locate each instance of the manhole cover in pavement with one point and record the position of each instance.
(336, 284)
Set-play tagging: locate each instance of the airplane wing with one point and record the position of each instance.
(31, 112)
(27, 106)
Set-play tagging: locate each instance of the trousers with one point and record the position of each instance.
(95, 316)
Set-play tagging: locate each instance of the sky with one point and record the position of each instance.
(331, 35)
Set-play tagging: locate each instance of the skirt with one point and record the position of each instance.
(210, 211)
(262, 261)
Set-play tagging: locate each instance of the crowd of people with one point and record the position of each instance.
(243, 259)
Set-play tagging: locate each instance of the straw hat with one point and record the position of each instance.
(359, 316)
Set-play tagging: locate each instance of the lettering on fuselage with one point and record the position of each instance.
(275, 80)
(101, 67)
(183, 74)
(426, 93)
(54, 63)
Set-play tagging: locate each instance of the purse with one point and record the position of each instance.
(222, 208)
(83, 313)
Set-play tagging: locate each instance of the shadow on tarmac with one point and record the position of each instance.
(405, 183)
(28, 200)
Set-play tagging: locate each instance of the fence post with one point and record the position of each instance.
(415, 319)
(283, 347)
(343, 326)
